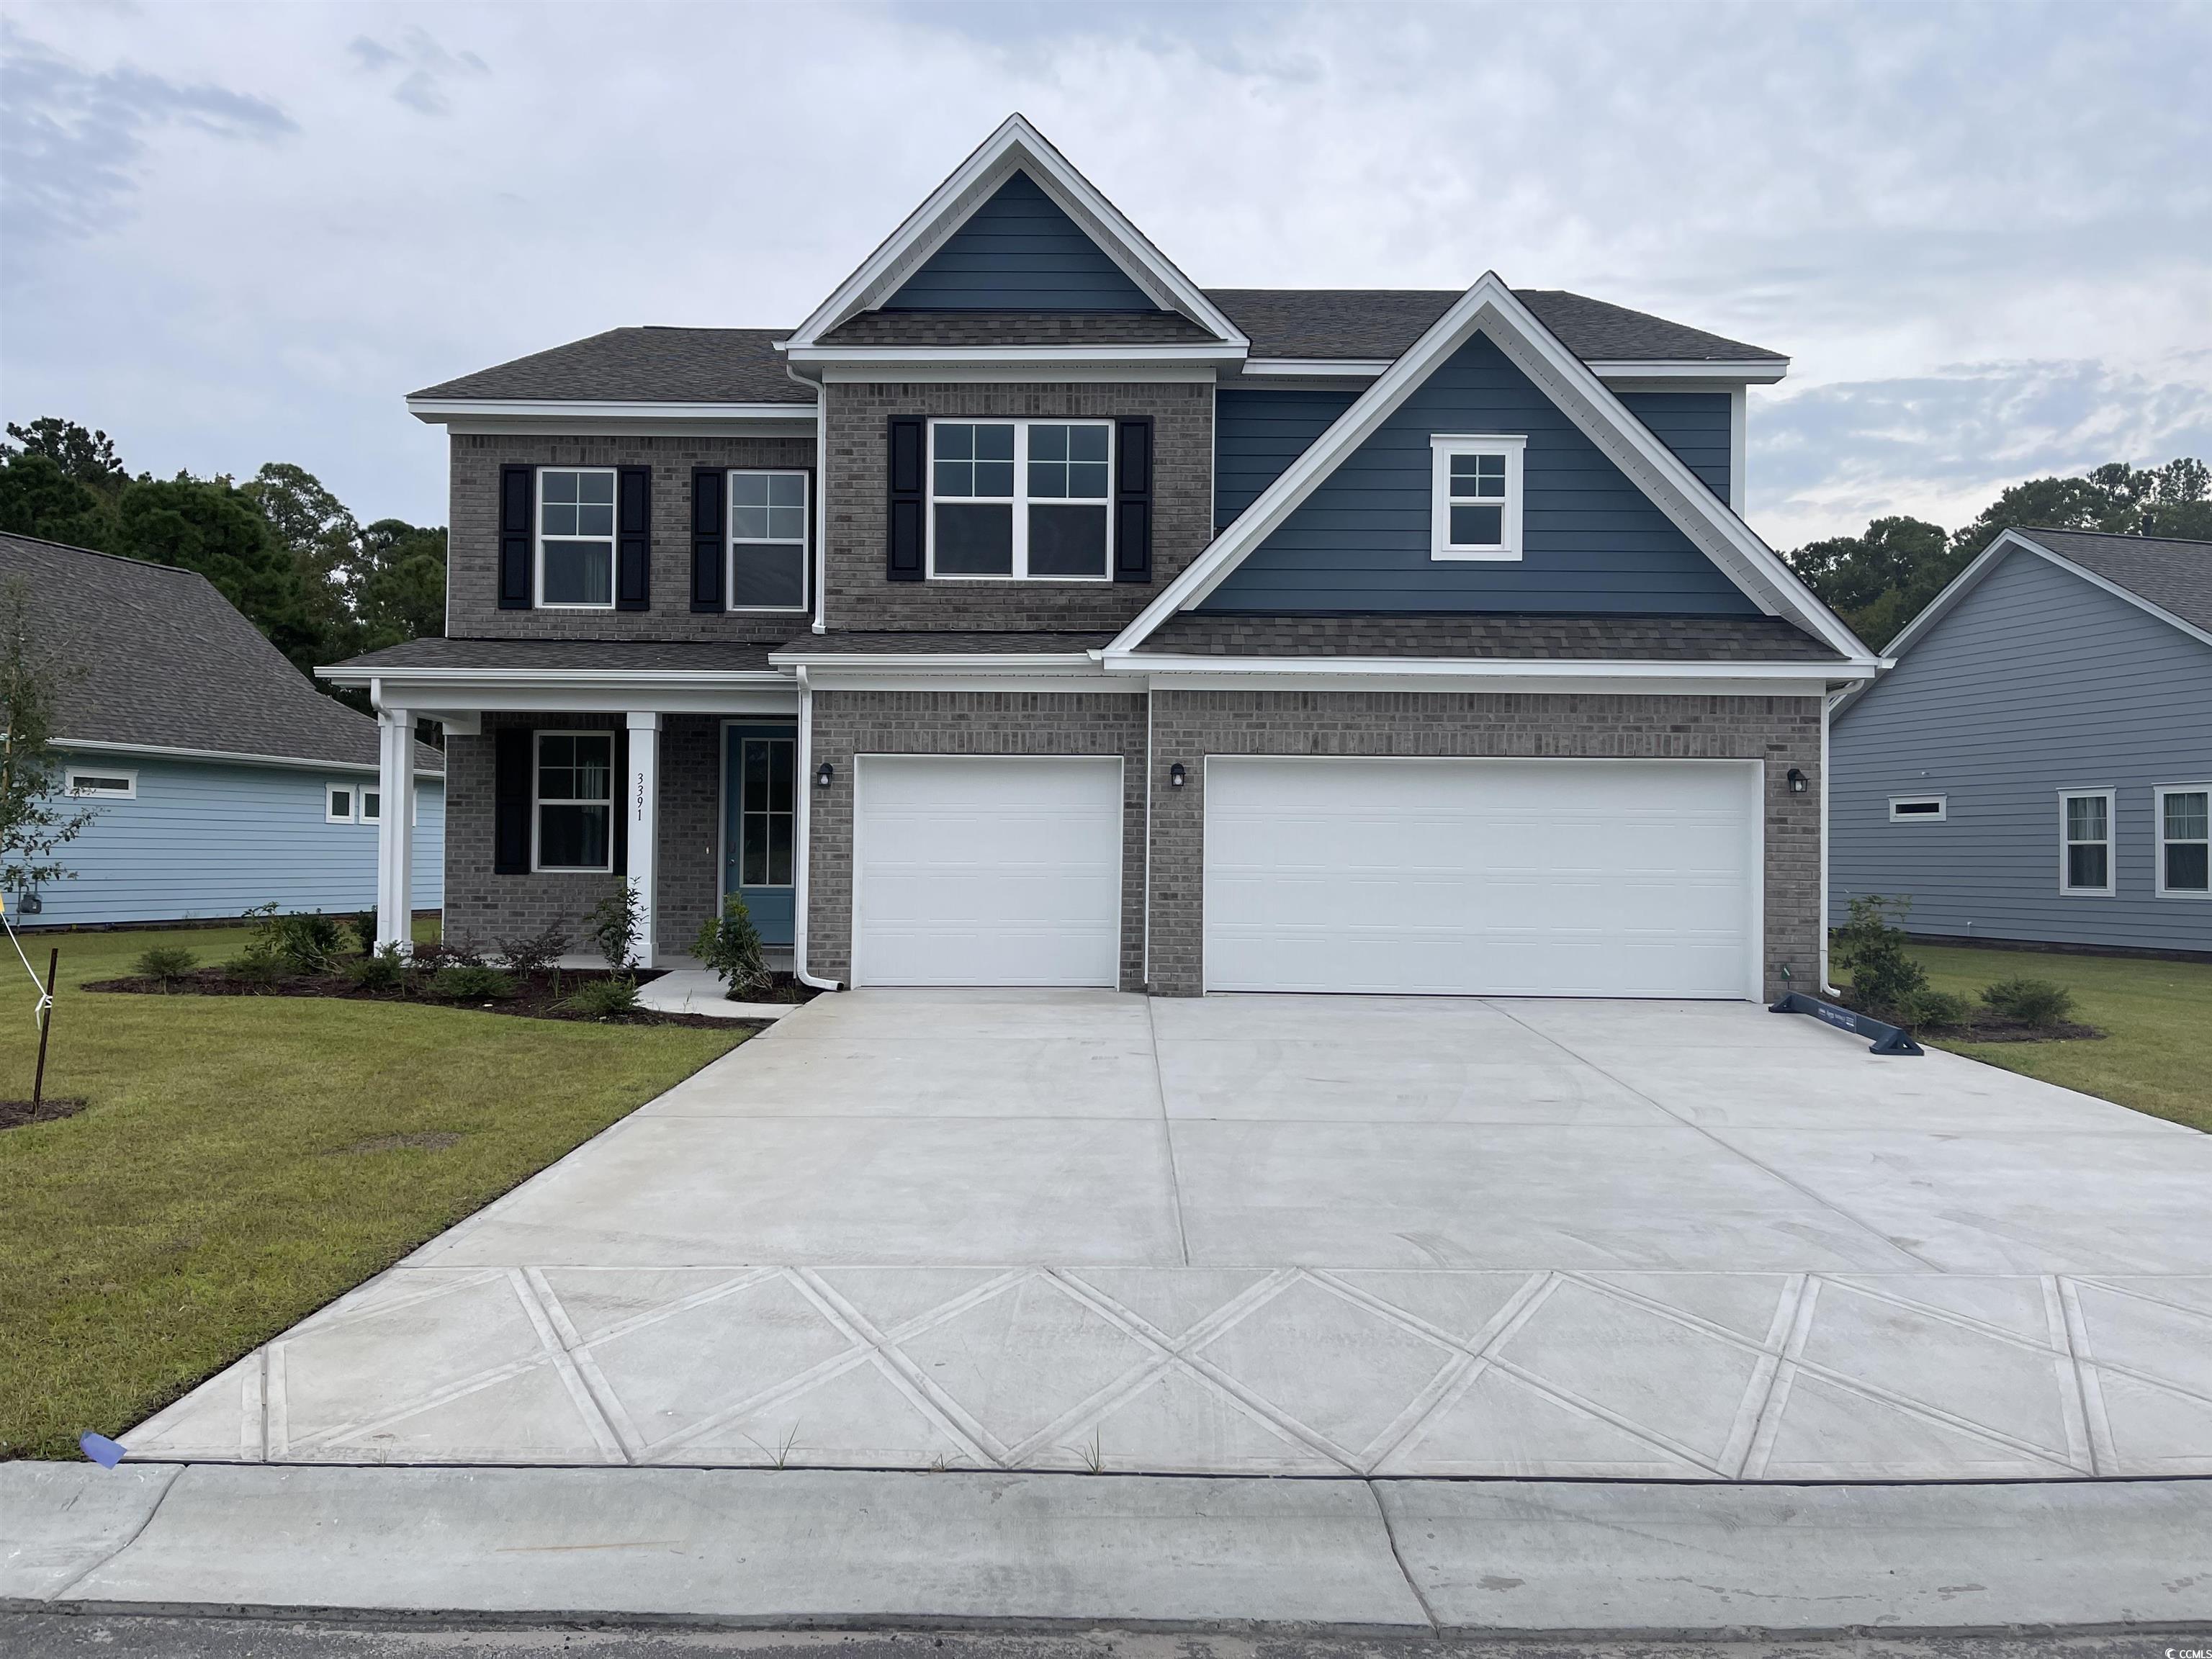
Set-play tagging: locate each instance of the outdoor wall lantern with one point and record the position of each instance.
(1799, 783)
(1176, 775)
(822, 775)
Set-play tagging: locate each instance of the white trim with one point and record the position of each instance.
(331, 793)
(732, 542)
(127, 776)
(435, 411)
(361, 814)
(1739, 446)
(1623, 375)
(1314, 367)
(898, 359)
(1941, 815)
(2111, 843)
(538, 538)
(1078, 663)
(1443, 447)
(2159, 843)
(1743, 371)
(1489, 304)
(1014, 146)
(1017, 504)
(582, 678)
(1139, 662)
(228, 757)
(537, 803)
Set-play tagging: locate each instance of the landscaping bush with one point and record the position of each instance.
(469, 982)
(364, 930)
(1927, 1009)
(383, 970)
(256, 965)
(461, 951)
(535, 953)
(730, 945)
(2034, 1002)
(164, 963)
(603, 998)
(308, 943)
(615, 924)
(1884, 979)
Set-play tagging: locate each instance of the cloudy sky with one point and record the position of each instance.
(230, 233)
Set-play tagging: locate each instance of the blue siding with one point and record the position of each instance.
(1258, 431)
(202, 839)
(1593, 541)
(1694, 425)
(2036, 682)
(1018, 252)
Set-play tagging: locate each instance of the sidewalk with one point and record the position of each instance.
(1010, 1552)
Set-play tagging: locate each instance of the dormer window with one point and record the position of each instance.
(1020, 500)
(1475, 496)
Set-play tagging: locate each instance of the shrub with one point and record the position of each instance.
(535, 953)
(2034, 1002)
(256, 965)
(1935, 1008)
(383, 970)
(603, 998)
(615, 924)
(462, 981)
(308, 943)
(730, 945)
(166, 963)
(458, 952)
(1884, 979)
(364, 930)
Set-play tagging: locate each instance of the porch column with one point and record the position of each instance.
(641, 802)
(395, 828)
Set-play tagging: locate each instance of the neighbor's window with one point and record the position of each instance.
(372, 806)
(576, 536)
(1474, 509)
(768, 541)
(338, 807)
(575, 800)
(1023, 499)
(115, 786)
(1918, 809)
(2185, 841)
(2086, 852)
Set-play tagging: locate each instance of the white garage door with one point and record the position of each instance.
(1625, 878)
(986, 871)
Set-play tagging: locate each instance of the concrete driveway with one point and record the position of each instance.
(1290, 1235)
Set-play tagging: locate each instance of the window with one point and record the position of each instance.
(114, 786)
(2185, 841)
(576, 801)
(2086, 845)
(1919, 809)
(338, 806)
(576, 537)
(1020, 499)
(768, 541)
(372, 806)
(766, 809)
(1475, 507)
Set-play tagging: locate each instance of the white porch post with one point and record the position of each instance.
(641, 801)
(395, 828)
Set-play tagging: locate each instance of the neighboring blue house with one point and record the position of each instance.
(2037, 766)
(222, 778)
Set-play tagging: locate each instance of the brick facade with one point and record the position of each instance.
(849, 723)
(859, 595)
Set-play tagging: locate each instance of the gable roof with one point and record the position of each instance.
(153, 657)
(1016, 147)
(1494, 310)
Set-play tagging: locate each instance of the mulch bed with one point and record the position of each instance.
(1987, 1025)
(533, 998)
(15, 1114)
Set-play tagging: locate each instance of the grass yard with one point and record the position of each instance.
(237, 1166)
(2157, 1055)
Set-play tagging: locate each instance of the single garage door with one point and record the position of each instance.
(986, 871)
(1617, 879)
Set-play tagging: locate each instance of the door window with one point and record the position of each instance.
(766, 811)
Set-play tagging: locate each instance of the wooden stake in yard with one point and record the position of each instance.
(46, 1024)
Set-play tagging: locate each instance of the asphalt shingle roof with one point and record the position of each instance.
(2175, 576)
(152, 656)
(1371, 323)
(644, 365)
(1519, 636)
(704, 656)
(920, 643)
(979, 328)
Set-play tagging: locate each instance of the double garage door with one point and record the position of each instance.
(1451, 877)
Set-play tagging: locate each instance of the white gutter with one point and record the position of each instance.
(806, 831)
(554, 678)
(1763, 371)
(934, 662)
(907, 357)
(1147, 662)
(820, 491)
(435, 410)
(233, 757)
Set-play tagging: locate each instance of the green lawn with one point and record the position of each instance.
(206, 1199)
(2157, 1055)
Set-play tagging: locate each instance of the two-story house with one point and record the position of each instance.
(1029, 615)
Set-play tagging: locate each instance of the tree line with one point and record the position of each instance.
(1882, 580)
(280, 547)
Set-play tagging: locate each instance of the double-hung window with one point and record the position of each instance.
(2085, 849)
(576, 537)
(573, 819)
(768, 541)
(2185, 841)
(1025, 499)
(1474, 501)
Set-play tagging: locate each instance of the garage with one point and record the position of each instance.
(986, 870)
(1485, 877)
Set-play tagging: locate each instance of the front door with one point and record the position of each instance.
(759, 823)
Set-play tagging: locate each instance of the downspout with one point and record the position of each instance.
(1828, 702)
(805, 781)
(821, 391)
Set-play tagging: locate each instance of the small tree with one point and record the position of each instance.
(1885, 980)
(730, 945)
(36, 817)
(615, 924)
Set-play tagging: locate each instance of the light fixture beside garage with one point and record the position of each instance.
(1176, 775)
(1799, 783)
(822, 775)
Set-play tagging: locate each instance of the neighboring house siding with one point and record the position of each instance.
(1594, 542)
(1695, 425)
(1019, 251)
(472, 577)
(1259, 431)
(2036, 682)
(206, 838)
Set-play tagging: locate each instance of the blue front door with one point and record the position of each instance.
(759, 823)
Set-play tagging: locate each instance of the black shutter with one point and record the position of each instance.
(905, 468)
(510, 796)
(633, 538)
(710, 490)
(618, 796)
(1133, 500)
(515, 489)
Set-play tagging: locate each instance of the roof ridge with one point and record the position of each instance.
(2112, 535)
(102, 553)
